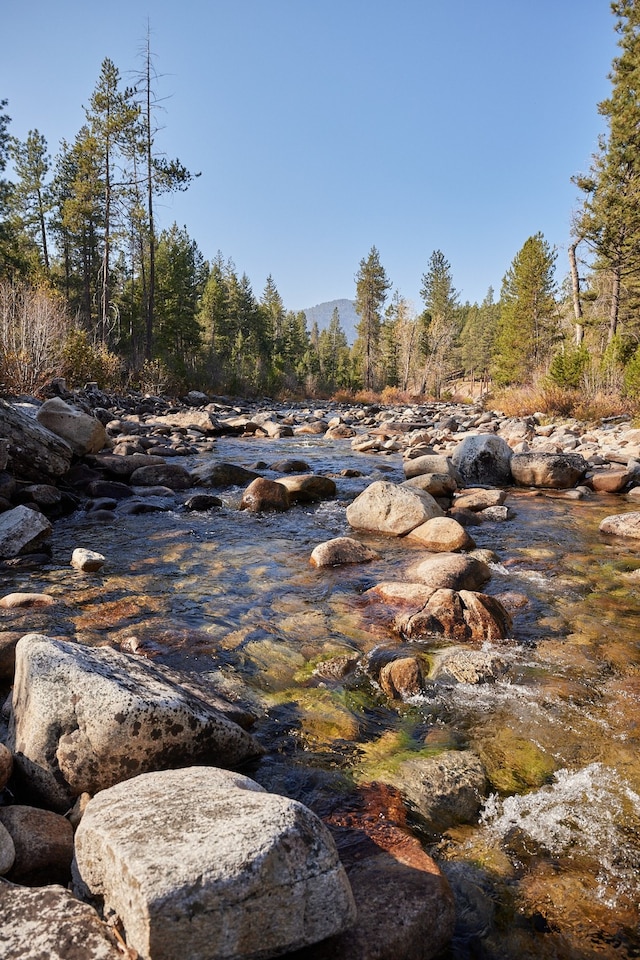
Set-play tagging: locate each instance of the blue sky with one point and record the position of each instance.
(324, 127)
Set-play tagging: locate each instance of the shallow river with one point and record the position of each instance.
(552, 869)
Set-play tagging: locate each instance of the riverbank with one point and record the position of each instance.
(231, 595)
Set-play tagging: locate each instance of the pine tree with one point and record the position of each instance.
(371, 292)
(111, 115)
(478, 336)
(180, 283)
(440, 321)
(609, 221)
(528, 313)
(31, 197)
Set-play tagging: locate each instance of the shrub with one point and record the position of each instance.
(33, 324)
(82, 362)
(567, 368)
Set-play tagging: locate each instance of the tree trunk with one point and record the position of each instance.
(575, 288)
(615, 303)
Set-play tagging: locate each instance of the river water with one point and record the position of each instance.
(552, 868)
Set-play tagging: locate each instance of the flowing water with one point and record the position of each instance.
(552, 868)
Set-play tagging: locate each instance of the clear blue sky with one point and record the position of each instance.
(324, 127)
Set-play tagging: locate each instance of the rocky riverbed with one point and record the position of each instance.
(333, 690)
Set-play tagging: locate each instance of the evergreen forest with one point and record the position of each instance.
(94, 287)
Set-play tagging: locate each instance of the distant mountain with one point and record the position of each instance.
(323, 312)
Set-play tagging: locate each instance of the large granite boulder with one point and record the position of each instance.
(33, 453)
(557, 471)
(86, 718)
(391, 509)
(49, 922)
(263, 494)
(22, 530)
(485, 458)
(205, 864)
(83, 433)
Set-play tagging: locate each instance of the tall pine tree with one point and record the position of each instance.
(371, 292)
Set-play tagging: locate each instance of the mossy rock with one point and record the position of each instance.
(322, 716)
(514, 764)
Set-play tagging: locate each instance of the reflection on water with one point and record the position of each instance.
(552, 869)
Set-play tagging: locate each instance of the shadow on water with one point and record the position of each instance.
(552, 868)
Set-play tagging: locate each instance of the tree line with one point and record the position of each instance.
(92, 287)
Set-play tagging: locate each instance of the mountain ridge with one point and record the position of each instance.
(321, 313)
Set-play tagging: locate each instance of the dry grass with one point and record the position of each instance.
(561, 402)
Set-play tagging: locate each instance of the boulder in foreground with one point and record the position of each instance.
(205, 864)
(86, 718)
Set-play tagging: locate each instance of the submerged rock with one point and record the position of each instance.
(341, 550)
(443, 790)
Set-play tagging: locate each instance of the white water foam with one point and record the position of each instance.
(591, 812)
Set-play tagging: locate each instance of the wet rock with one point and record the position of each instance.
(557, 471)
(21, 531)
(263, 494)
(290, 466)
(441, 535)
(391, 509)
(443, 790)
(43, 843)
(336, 668)
(463, 616)
(83, 433)
(109, 489)
(485, 459)
(479, 499)
(85, 718)
(433, 463)
(402, 678)
(622, 525)
(202, 501)
(26, 601)
(341, 550)
(140, 505)
(437, 484)
(8, 641)
(214, 473)
(452, 571)
(223, 847)
(468, 666)
(610, 481)
(87, 560)
(400, 592)
(514, 763)
(35, 453)
(7, 854)
(497, 514)
(308, 488)
(50, 922)
(340, 431)
(370, 830)
(6, 765)
(171, 475)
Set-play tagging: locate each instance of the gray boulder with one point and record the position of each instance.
(86, 718)
(557, 471)
(50, 922)
(205, 864)
(391, 509)
(34, 453)
(622, 525)
(22, 530)
(485, 458)
(83, 433)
